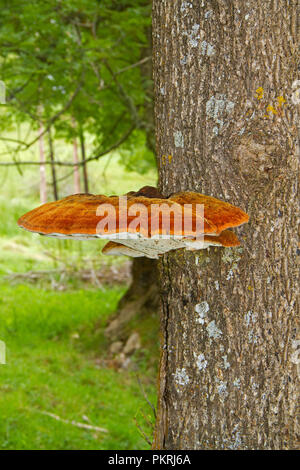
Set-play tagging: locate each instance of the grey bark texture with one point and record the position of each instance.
(226, 126)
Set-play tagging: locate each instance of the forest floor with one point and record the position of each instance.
(58, 390)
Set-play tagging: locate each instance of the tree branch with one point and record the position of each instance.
(140, 62)
(95, 157)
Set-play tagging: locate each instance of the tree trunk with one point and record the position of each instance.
(76, 168)
(43, 183)
(83, 158)
(53, 170)
(226, 126)
(142, 298)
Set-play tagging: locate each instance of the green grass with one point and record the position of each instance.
(54, 340)
(53, 367)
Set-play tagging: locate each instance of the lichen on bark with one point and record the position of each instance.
(241, 147)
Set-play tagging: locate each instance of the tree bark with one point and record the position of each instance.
(226, 126)
(43, 182)
(76, 168)
(53, 170)
(83, 158)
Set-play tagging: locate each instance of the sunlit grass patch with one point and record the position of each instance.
(50, 368)
(54, 330)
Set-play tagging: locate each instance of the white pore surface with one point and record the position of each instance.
(142, 246)
(154, 247)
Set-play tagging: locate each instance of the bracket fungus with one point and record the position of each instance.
(142, 223)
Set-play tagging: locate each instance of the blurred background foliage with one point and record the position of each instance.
(78, 85)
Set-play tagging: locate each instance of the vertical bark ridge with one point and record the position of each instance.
(224, 75)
